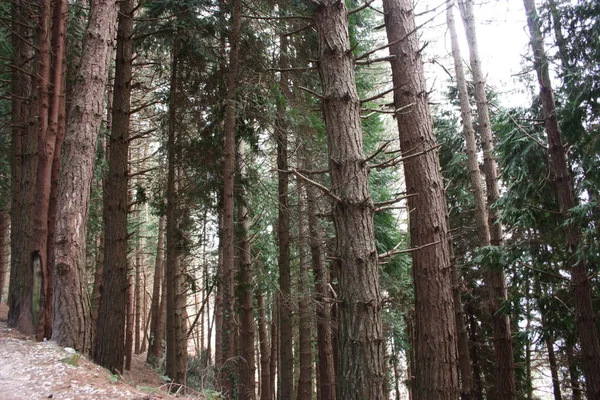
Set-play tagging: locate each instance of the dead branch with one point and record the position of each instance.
(395, 252)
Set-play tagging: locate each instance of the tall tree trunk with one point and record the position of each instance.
(274, 347)
(553, 368)
(139, 287)
(23, 173)
(71, 324)
(436, 373)
(495, 280)
(228, 377)
(130, 317)
(495, 274)
(304, 308)
(361, 350)
(585, 315)
(247, 366)
(573, 372)
(474, 352)
(286, 355)
(265, 350)
(109, 350)
(4, 253)
(324, 322)
(176, 367)
(157, 318)
(464, 361)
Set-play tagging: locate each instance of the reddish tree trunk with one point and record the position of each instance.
(4, 259)
(71, 323)
(436, 373)
(109, 349)
(265, 350)
(585, 316)
(157, 317)
(360, 332)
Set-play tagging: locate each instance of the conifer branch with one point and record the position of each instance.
(395, 252)
(320, 96)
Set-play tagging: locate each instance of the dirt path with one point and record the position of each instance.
(31, 370)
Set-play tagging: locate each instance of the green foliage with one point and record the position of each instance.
(72, 360)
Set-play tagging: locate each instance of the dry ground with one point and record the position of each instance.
(31, 370)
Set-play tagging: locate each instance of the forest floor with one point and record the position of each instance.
(42, 370)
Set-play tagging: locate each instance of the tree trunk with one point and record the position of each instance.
(304, 304)
(464, 361)
(23, 173)
(324, 322)
(4, 253)
(274, 347)
(129, 326)
(436, 373)
(494, 274)
(286, 355)
(109, 350)
(71, 325)
(361, 350)
(585, 315)
(157, 318)
(247, 366)
(553, 368)
(227, 372)
(139, 288)
(265, 351)
(176, 366)
(474, 352)
(573, 372)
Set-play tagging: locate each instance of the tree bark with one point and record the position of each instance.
(4, 253)
(286, 355)
(247, 366)
(494, 274)
(109, 349)
(585, 316)
(227, 372)
(157, 317)
(553, 368)
(265, 350)
(304, 304)
(176, 366)
(360, 332)
(23, 173)
(130, 317)
(436, 373)
(71, 323)
(324, 322)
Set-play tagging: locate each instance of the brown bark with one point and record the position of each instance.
(286, 355)
(23, 173)
(129, 326)
(464, 360)
(324, 322)
(176, 366)
(304, 307)
(139, 289)
(553, 368)
(573, 372)
(157, 317)
(585, 316)
(495, 274)
(474, 352)
(71, 324)
(436, 373)
(274, 347)
(227, 373)
(265, 350)
(4, 253)
(361, 350)
(495, 280)
(247, 365)
(109, 350)
(96, 295)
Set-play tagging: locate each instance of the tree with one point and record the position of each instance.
(360, 332)
(109, 348)
(71, 297)
(435, 330)
(563, 188)
(495, 278)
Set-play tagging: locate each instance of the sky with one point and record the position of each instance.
(503, 40)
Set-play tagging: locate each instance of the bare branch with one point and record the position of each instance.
(310, 181)
(379, 95)
(379, 150)
(358, 9)
(394, 252)
(320, 96)
(395, 200)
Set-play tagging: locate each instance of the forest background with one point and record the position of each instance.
(239, 190)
